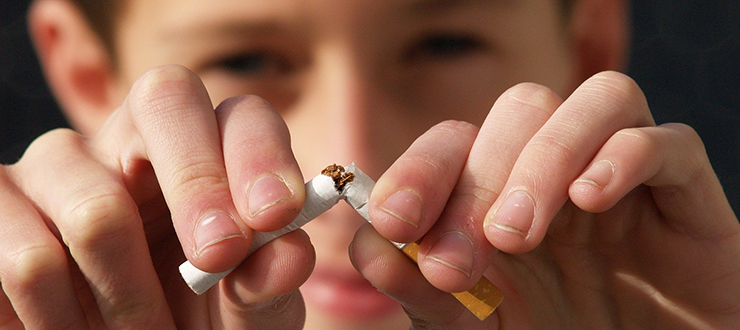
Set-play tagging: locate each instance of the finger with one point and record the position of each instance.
(34, 272)
(671, 160)
(264, 177)
(262, 293)
(99, 222)
(538, 184)
(411, 194)
(455, 252)
(393, 274)
(171, 111)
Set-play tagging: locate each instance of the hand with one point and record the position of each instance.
(93, 228)
(604, 220)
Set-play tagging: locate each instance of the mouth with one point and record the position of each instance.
(345, 294)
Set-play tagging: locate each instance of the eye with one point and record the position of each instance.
(258, 63)
(444, 46)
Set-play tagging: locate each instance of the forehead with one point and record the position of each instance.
(165, 31)
(305, 6)
(177, 14)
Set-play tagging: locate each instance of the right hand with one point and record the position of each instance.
(93, 228)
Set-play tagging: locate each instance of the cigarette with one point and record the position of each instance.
(322, 193)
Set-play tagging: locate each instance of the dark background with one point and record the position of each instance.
(686, 57)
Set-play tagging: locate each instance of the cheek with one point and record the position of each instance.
(459, 90)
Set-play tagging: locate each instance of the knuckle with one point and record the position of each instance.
(687, 134)
(28, 266)
(159, 88)
(50, 143)
(614, 80)
(437, 161)
(251, 102)
(696, 165)
(282, 308)
(640, 140)
(533, 98)
(101, 215)
(621, 90)
(196, 175)
(456, 131)
(274, 306)
(554, 147)
(138, 311)
(428, 165)
(456, 127)
(5, 175)
(161, 76)
(478, 195)
(252, 113)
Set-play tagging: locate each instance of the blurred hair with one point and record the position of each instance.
(101, 15)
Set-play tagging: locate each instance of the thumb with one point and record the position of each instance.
(395, 275)
(262, 293)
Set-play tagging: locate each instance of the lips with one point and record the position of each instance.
(345, 294)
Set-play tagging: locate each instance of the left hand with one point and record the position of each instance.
(605, 219)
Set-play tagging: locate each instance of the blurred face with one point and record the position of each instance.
(355, 81)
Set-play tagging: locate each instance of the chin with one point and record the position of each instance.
(348, 301)
(317, 319)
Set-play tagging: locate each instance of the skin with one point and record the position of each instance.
(629, 224)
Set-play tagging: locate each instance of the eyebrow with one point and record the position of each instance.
(265, 26)
(210, 29)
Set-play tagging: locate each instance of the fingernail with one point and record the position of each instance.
(404, 205)
(266, 192)
(516, 214)
(454, 249)
(599, 174)
(214, 227)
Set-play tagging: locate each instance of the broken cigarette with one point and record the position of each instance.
(322, 193)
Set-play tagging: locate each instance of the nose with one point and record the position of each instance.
(342, 116)
(345, 115)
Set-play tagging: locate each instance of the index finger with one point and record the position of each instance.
(171, 111)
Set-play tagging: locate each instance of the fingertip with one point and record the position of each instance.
(160, 83)
(219, 242)
(153, 78)
(368, 248)
(380, 262)
(448, 261)
(589, 196)
(273, 201)
(511, 224)
(397, 215)
(507, 241)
